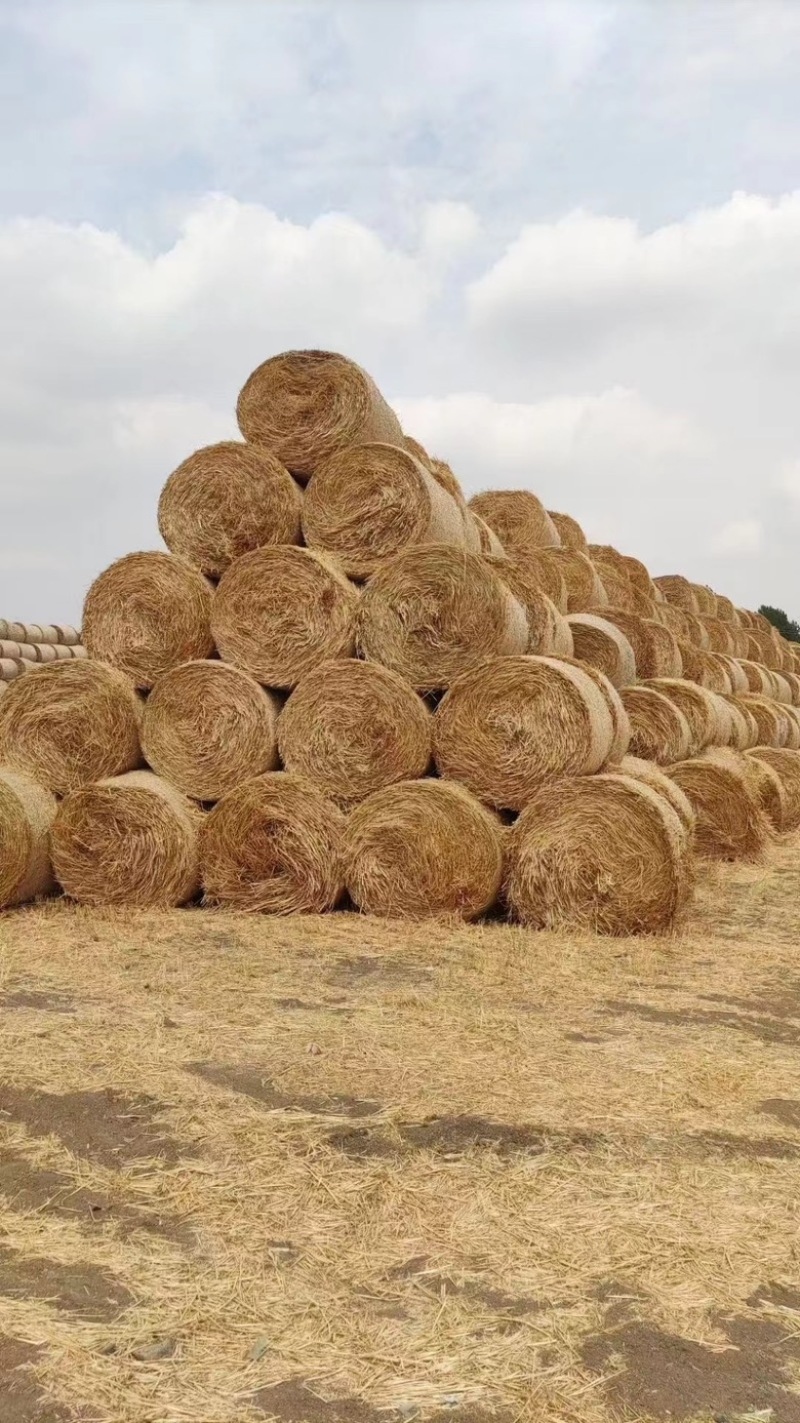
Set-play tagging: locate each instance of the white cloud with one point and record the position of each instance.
(742, 536)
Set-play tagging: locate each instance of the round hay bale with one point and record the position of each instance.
(792, 742)
(570, 532)
(619, 717)
(519, 519)
(678, 591)
(68, 636)
(433, 612)
(147, 613)
(49, 635)
(9, 650)
(639, 575)
(207, 727)
(225, 500)
(11, 668)
(279, 612)
(128, 840)
(353, 728)
(423, 848)
(305, 405)
(704, 669)
(17, 632)
(793, 681)
(706, 600)
(734, 673)
(487, 538)
(27, 811)
(79, 652)
(602, 645)
(696, 632)
(584, 591)
(773, 728)
(368, 502)
(765, 784)
(783, 691)
(763, 649)
(697, 707)
(46, 653)
(744, 726)
(63, 652)
(3, 629)
(548, 629)
(603, 853)
(758, 678)
(27, 652)
(664, 654)
(719, 634)
(617, 587)
(513, 722)
(659, 729)
(71, 723)
(786, 765)
(417, 450)
(445, 477)
(730, 823)
(527, 574)
(726, 611)
(274, 845)
(650, 775)
(672, 618)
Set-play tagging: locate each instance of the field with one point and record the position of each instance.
(343, 1171)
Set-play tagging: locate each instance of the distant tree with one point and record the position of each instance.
(786, 626)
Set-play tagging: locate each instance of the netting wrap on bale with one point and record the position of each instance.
(27, 812)
(423, 848)
(433, 612)
(279, 612)
(514, 722)
(148, 613)
(730, 823)
(519, 519)
(353, 728)
(70, 723)
(225, 500)
(130, 840)
(603, 853)
(274, 846)
(305, 405)
(207, 727)
(368, 502)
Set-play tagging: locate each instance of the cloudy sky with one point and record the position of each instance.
(563, 236)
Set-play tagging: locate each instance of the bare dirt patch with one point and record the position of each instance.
(369, 968)
(751, 1148)
(664, 1376)
(765, 1029)
(22, 1399)
(784, 1296)
(80, 1289)
(250, 1082)
(783, 1109)
(458, 1134)
(107, 1127)
(294, 1402)
(52, 1002)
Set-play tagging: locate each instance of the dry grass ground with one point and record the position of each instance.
(334, 1170)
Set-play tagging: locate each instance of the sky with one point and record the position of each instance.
(563, 236)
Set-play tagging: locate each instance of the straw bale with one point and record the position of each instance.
(697, 707)
(645, 771)
(678, 591)
(368, 502)
(128, 840)
(71, 723)
(706, 600)
(736, 676)
(704, 668)
(513, 722)
(49, 635)
(792, 717)
(605, 853)
(63, 652)
(786, 765)
(730, 822)
(745, 726)
(584, 590)
(549, 631)
(740, 640)
(487, 538)
(764, 649)
(526, 574)
(607, 554)
(279, 612)
(759, 678)
(46, 653)
(746, 618)
(353, 728)
(764, 783)
(672, 618)
(659, 729)
(618, 589)
(783, 690)
(619, 717)
(423, 848)
(696, 632)
(225, 500)
(720, 634)
(446, 479)
(793, 680)
(433, 612)
(570, 532)
(27, 651)
(17, 632)
(274, 845)
(726, 611)
(519, 519)
(3, 629)
(27, 811)
(207, 727)
(9, 650)
(304, 405)
(417, 450)
(602, 645)
(79, 652)
(639, 575)
(147, 613)
(773, 727)
(10, 668)
(68, 636)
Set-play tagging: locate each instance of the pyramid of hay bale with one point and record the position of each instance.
(345, 683)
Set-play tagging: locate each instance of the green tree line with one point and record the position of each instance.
(786, 626)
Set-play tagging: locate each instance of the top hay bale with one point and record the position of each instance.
(678, 591)
(148, 613)
(305, 405)
(370, 501)
(225, 500)
(519, 519)
(570, 532)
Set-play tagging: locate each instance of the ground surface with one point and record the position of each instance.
(335, 1170)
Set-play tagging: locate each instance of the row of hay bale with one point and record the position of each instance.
(346, 681)
(26, 645)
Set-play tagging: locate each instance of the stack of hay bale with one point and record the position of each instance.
(26, 645)
(346, 683)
